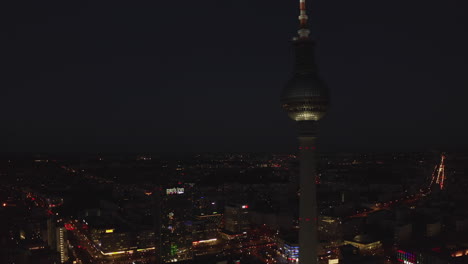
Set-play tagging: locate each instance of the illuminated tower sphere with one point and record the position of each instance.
(305, 98)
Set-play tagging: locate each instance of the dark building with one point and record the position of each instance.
(236, 218)
(207, 227)
(113, 237)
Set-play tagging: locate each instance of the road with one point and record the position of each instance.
(409, 199)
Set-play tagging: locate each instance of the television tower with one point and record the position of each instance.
(305, 98)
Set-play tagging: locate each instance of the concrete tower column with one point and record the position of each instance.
(308, 241)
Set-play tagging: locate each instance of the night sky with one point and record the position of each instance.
(179, 76)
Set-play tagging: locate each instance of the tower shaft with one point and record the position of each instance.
(308, 242)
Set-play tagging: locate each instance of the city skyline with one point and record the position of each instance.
(109, 77)
(157, 133)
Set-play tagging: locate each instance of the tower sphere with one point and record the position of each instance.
(305, 96)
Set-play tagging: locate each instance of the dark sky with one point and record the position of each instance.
(206, 75)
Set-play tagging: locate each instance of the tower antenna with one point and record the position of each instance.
(303, 29)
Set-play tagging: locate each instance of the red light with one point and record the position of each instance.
(436, 249)
(69, 227)
(307, 219)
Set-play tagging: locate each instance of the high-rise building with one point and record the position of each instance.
(51, 233)
(288, 247)
(62, 243)
(305, 98)
(57, 238)
(206, 230)
(236, 218)
(174, 223)
(207, 227)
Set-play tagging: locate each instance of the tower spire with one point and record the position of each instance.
(303, 29)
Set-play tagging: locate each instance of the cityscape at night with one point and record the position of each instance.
(233, 208)
(234, 132)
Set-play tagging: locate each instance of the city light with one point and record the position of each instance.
(198, 97)
(175, 191)
(114, 253)
(204, 241)
(145, 249)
